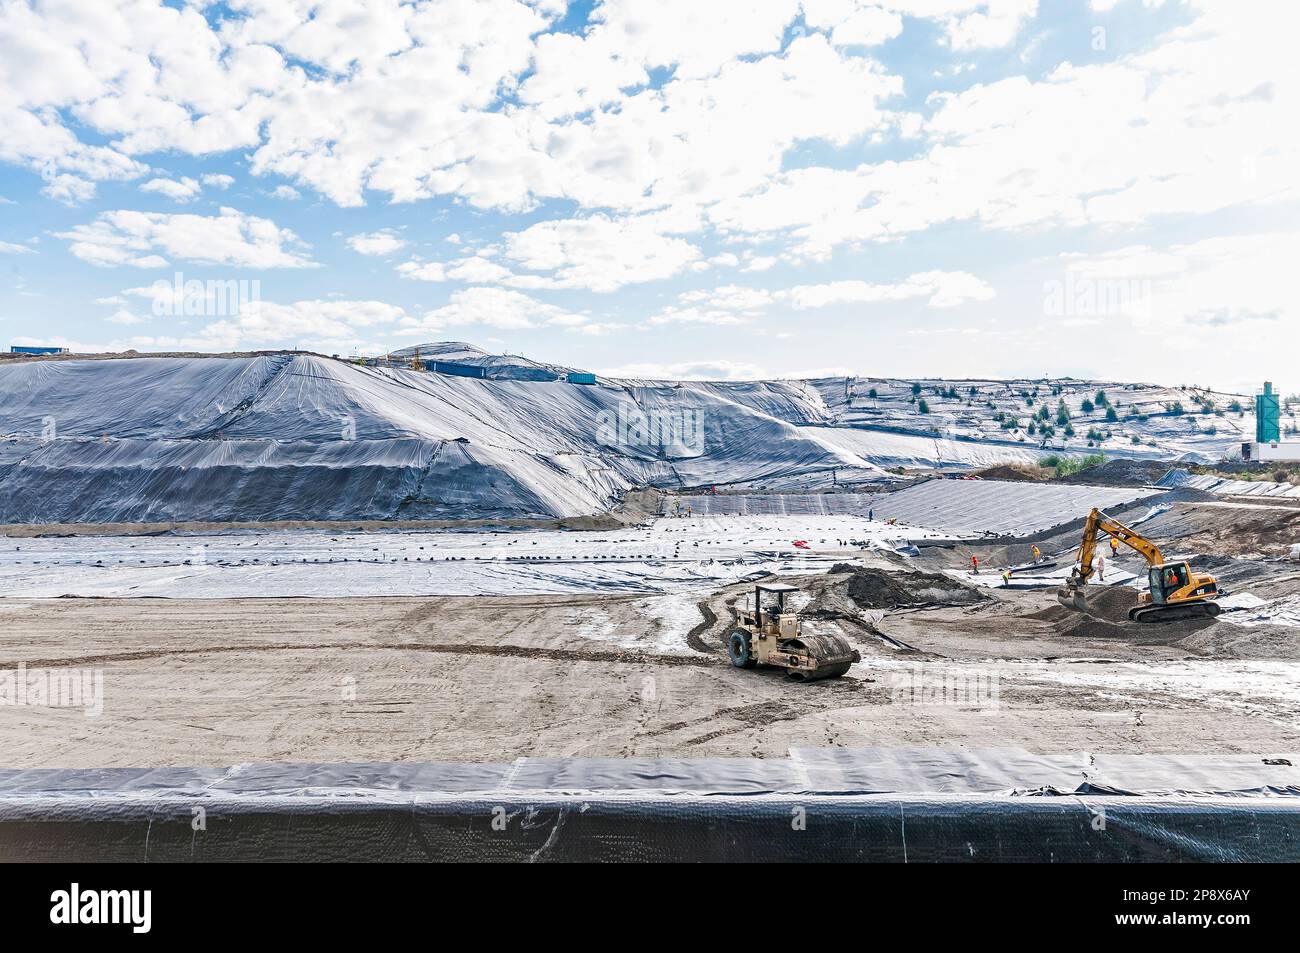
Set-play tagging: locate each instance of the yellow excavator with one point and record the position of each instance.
(1175, 590)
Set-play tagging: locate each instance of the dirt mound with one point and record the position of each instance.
(1110, 604)
(1238, 641)
(1107, 618)
(1119, 473)
(1013, 472)
(884, 589)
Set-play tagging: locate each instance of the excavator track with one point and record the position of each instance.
(1174, 612)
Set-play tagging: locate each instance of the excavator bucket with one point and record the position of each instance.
(1072, 597)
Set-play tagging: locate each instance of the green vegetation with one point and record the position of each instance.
(1065, 466)
(1111, 415)
(922, 407)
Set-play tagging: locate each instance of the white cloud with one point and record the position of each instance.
(286, 192)
(729, 297)
(383, 242)
(501, 308)
(695, 316)
(597, 253)
(1212, 283)
(720, 370)
(474, 268)
(574, 74)
(851, 22)
(326, 326)
(179, 190)
(143, 239)
(944, 289)
(9, 248)
(217, 180)
(1111, 145)
(68, 189)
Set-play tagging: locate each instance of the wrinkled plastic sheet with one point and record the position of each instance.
(875, 804)
(1222, 486)
(953, 507)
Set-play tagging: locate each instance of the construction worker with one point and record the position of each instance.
(1114, 547)
(1006, 577)
(1038, 554)
(1101, 568)
(974, 564)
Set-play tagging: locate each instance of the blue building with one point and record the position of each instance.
(18, 349)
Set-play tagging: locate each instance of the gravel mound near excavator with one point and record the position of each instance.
(886, 589)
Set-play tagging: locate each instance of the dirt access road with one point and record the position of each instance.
(216, 682)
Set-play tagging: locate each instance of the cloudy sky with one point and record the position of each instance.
(730, 188)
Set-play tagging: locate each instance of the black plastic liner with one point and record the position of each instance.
(817, 805)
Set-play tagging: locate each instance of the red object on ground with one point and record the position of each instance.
(802, 543)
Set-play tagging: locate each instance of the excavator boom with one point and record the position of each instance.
(1098, 522)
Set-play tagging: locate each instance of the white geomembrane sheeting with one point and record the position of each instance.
(298, 436)
(966, 507)
(1221, 486)
(671, 556)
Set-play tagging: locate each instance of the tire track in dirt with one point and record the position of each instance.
(510, 651)
(694, 638)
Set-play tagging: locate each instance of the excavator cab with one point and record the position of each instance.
(1167, 580)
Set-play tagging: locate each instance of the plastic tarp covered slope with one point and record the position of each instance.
(303, 437)
(1000, 508)
(298, 436)
(958, 507)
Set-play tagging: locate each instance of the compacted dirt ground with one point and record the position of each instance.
(216, 682)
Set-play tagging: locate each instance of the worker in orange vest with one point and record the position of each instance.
(1114, 547)
(974, 564)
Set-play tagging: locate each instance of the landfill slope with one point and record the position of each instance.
(296, 436)
(293, 436)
